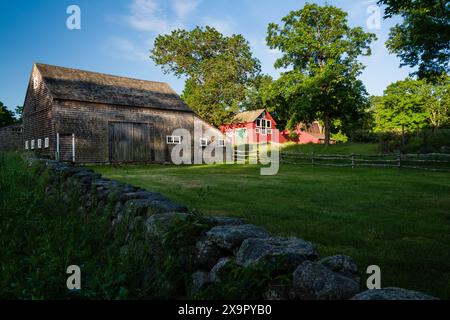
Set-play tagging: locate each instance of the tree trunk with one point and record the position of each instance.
(327, 130)
(403, 136)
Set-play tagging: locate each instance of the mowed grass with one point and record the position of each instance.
(396, 219)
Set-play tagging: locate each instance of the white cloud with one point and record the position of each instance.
(125, 49)
(183, 8)
(146, 15)
(225, 25)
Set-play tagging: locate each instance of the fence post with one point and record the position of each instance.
(353, 161)
(312, 159)
(399, 160)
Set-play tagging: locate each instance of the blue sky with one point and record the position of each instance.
(116, 36)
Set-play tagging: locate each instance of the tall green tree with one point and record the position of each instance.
(402, 108)
(218, 69)
(321, 53)
(436, 96)
(423, 38)
(6, 116)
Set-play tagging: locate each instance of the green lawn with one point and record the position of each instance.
(397, 219)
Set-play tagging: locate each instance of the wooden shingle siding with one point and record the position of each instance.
(113, 119)
(91, 124)
(37, 115)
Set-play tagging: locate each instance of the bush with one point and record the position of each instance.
(40, 236)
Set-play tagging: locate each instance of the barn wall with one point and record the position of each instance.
(89, 122)
(37, 115)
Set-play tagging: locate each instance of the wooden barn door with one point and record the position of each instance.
(130, 142)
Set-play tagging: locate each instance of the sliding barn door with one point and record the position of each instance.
(130, 142)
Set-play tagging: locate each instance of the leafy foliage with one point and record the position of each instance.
(321, 51)
(423, 38)
(40, 236)
(218, 69)
(6, 116)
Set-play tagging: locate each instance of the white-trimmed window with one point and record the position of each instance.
(258, 123)
(268, 124)
(264, 132)
(203, 142)
(46, 142)
(26, 145)
(39, 143)
(257, 130)
(32, 144)
(173, 139)
(269, 131)
(221, 143)
(35, 82)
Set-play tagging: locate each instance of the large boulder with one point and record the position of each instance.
(158, 225)
(222, 221)
(199, 281)
(313, 281)
(230, 237)
(151, 205)
(289, 251)
(344, 265)
(214, 274)
(207, 253)
(392, 294)
(277, 291)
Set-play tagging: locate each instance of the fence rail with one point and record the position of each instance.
(429, 162)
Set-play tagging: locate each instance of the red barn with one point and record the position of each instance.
(312, 133)
(252, 127)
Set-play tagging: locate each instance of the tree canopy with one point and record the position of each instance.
(414, 104)
(321, 53)
(6, 117)
(218, 69)
(423, 38)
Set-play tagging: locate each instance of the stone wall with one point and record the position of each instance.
(218, 243)
(11, 138)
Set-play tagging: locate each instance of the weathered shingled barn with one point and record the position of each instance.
(87, 117)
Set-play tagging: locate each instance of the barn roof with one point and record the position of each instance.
(79, 85)
(247, 116)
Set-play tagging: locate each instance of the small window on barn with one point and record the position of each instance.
(221, 143)
(176, 140)
(257, 130)
(268, 124)
(39, 143)
(258, 123)
(264, 132)
(173, 140)
(203, 142)
(26, 145)
(35, 82)
(269, 131)
(32, 144)
(46, 142)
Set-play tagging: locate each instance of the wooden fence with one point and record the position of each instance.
(430, 162)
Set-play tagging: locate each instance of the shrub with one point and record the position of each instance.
(42, 233)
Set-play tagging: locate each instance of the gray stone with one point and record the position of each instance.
(344, 265)
(290, 251)
(199, 281)
(230, 237)
(313, 281)
(392, 294)
(214, 274)
(222, 221)
(159, 224)
(207, 253)
(279, 291)
(124, 197)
